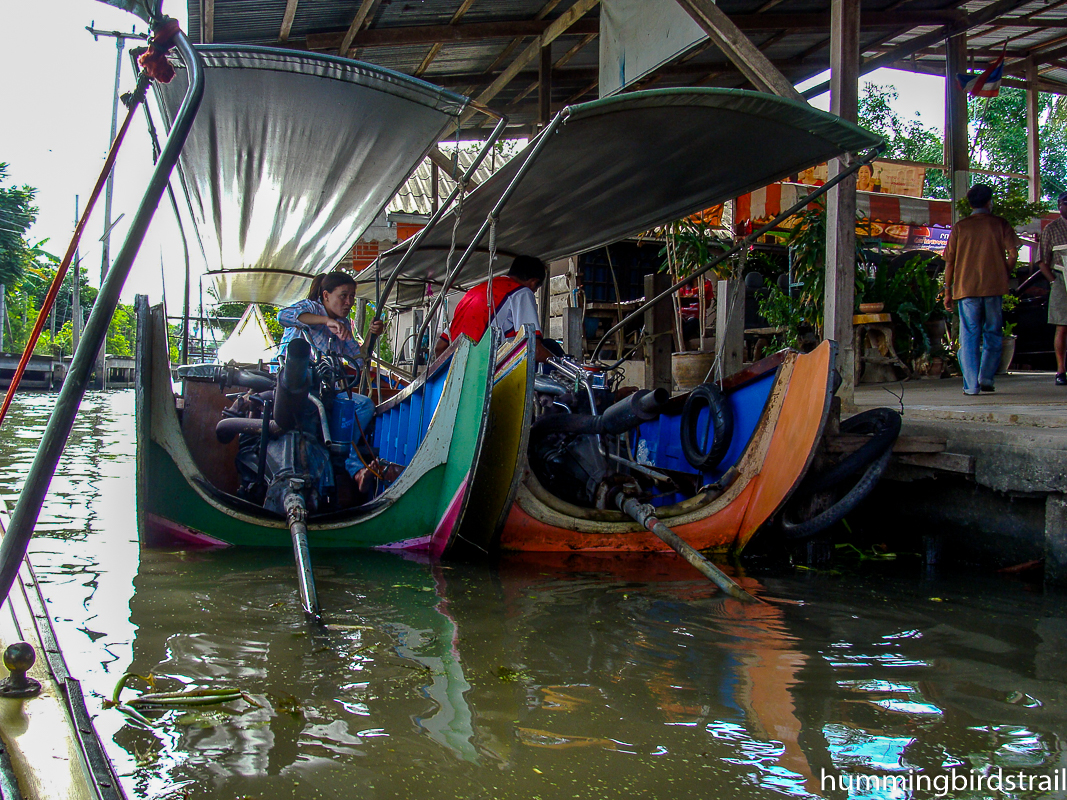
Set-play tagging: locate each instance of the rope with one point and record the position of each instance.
(363, 438)
(61, 273)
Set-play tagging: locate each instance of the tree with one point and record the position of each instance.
(17, 214)
(909, 140)
(999, 138)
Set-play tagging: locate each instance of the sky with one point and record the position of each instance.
(57, 97)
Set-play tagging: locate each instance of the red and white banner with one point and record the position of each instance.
(886, 212)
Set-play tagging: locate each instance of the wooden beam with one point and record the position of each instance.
(207, 22)
(821, 22)
(558, 27)
(1033, 138)
(513, 45)
(980, 17)
(444, 162)
(362, 13)
(544, 86)
(287, 20)
(840, 279)
(957, 152)
(435, 48)
(442, 34)
(755, 66)
(558, 65)
(574, 98)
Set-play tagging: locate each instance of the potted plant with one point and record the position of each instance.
(690, 243)
(1008, 351)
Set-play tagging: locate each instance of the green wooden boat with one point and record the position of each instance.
(434, 428)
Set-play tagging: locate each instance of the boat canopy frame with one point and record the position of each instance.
(585, 186)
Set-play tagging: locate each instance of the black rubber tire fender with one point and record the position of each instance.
(722, 426)
(799, 531)
(883, 424)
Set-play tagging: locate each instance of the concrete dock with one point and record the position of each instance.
(994, 492)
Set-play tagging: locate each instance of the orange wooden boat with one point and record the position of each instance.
(780, 407)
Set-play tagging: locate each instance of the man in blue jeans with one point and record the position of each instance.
(979, 258)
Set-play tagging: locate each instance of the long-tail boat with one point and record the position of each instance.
(277, 192)
(600, 171)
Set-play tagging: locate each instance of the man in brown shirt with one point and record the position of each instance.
(980, 257)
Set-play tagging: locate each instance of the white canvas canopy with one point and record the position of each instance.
(250, 342)
(291, 158)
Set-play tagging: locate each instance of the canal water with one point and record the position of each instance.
(536, 678)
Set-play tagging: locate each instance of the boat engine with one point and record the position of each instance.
(284, 434)
(578, 448)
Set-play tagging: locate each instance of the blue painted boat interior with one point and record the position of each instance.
(663, 435)
(399, 431)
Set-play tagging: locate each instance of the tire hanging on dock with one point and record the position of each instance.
(707, 455)
(883, 425)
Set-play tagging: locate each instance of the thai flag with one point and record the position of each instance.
(985, 85)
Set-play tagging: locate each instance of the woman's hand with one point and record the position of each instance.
(377, 327)
(338, 329)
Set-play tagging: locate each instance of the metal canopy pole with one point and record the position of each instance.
(413, 243)
(156, 150)
(748, 240)
(31, 498)
(490, 218)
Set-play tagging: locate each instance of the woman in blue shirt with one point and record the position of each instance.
(323, 316)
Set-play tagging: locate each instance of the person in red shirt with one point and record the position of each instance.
(513, 304)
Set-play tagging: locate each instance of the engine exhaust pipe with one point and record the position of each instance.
(294, 384)
(628, 413)
(230, 428)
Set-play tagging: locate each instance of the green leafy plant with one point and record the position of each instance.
(912, 296)
(1009, 303)
(691, 244)
(1010, 202)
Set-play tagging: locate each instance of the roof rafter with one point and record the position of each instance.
(435, 48)
(442, 34)
(558, 27)
(287, 20)
(364, 10)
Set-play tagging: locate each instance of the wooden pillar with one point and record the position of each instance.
(544, 86)
(1033, 138)
(840, 285)
(659, 322)
(957, 152)
(730, 325)
(573, 329)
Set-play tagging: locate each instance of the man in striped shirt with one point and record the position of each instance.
(511, 298)
(1056, 233)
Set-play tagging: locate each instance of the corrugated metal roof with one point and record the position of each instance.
(798, 46)
(416, 196)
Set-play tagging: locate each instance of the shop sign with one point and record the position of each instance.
(880, 177)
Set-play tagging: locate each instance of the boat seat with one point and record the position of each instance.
(226, 375)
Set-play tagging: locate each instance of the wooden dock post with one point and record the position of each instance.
(658, 325)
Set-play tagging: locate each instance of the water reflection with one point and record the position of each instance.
(549, 678)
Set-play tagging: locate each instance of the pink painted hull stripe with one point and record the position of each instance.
(435, 543)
